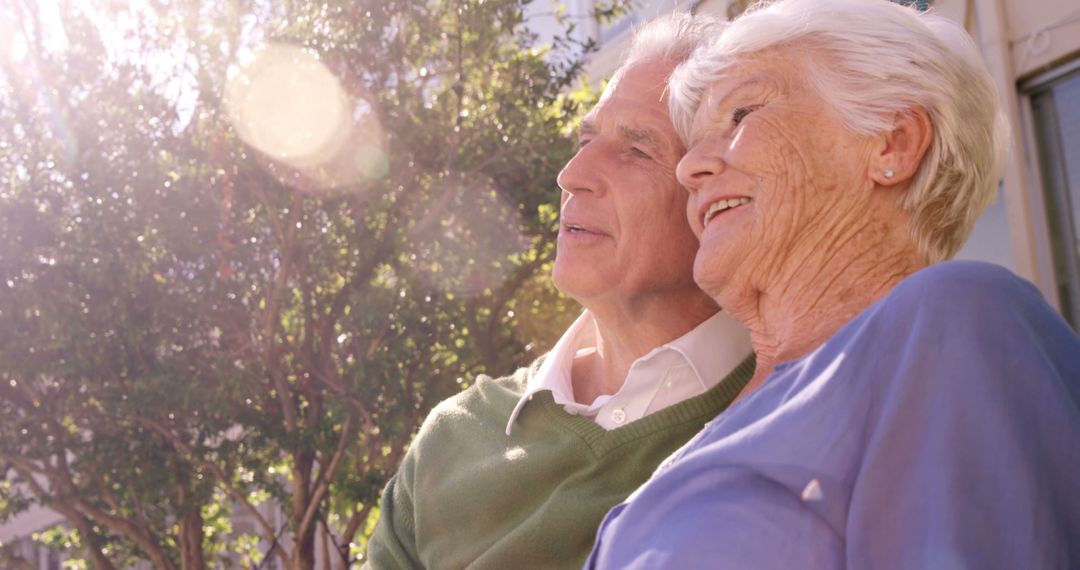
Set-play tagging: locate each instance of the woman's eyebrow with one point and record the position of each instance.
(712, 107)
(741, 86)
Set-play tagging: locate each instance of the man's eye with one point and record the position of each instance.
(639, 153)
(582, 142)
(740, 113)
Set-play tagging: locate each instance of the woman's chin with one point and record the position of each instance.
(712, 272)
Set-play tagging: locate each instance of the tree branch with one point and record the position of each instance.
(137, 533)
(90, 538)
(273, 318)
(322, 484)
(223, 479)
(358, 518)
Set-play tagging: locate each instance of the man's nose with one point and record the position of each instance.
(584, 172)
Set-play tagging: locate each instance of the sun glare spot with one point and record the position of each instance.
(289, 106)
(469, 237)
(15, 44)
(286, 103)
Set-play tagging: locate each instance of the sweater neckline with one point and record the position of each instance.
(601, 441)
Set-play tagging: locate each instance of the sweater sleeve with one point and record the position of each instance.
(972, 458)
(393, 542)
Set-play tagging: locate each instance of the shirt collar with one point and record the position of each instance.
(708, 349)
(712, 349)
(554, 371)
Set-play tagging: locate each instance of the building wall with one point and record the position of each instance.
(1041, 33)
(17, 548)
(33, 520)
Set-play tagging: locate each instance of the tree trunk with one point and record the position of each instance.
(191, 541)
(328, 562)
(303, 555)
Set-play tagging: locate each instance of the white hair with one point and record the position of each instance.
(672, 37)
(873, 59)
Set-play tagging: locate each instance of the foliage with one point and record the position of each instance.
(192, 328)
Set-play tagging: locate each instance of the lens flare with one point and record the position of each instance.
(288, 105)
(20, 77)
(467, 242)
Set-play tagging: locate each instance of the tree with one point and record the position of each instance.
(198, 313)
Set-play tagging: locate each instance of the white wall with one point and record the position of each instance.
(33, 520)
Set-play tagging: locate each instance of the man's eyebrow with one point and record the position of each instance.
(644, 136)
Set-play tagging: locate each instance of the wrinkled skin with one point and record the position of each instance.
(763, 133)
(621, 188)
(823, 233)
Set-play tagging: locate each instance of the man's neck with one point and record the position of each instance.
(628, 332)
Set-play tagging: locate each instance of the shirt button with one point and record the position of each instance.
(618, 416)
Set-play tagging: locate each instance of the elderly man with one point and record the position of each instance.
(518, 471)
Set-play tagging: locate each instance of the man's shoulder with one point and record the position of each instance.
(484, 406)
(488, 392)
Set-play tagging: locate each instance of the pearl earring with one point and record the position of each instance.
(889, 173)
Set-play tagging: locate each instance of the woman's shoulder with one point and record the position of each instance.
(962, 315)
(949, 316)
(963, 289)
(958, 280)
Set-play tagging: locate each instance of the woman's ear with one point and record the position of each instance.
(901, 150)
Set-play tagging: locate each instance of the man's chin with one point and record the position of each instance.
(575, 280)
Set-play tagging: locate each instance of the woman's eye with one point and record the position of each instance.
(740, 113)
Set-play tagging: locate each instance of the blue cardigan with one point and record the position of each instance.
(938, 429)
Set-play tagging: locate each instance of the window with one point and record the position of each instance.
(1055, 104)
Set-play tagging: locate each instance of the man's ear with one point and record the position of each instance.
(901, 150)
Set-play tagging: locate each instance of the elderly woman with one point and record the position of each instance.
(907, 411)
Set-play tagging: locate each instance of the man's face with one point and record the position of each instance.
(623, 233)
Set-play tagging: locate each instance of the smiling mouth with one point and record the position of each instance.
(722, 206)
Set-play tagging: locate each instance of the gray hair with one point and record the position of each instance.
(672, 37)
(873, 59)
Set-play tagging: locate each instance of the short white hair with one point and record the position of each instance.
(873, 59)
(672, 37)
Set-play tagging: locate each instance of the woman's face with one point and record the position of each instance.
(775, 179)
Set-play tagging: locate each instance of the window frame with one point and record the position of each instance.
(1058, 256)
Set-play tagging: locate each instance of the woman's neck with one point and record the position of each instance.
(820, 289)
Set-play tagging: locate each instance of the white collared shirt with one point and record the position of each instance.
(681, 369)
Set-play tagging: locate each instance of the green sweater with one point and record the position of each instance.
(468, 495)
